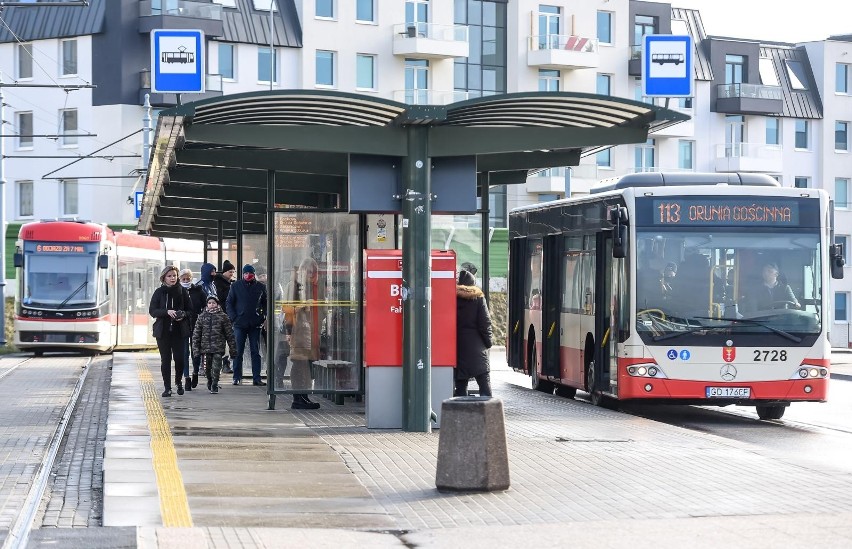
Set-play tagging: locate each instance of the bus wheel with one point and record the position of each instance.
(594, 395)
(538, 384)
(770, 412)
(567, 392)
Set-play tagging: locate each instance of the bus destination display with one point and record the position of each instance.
(60, 248)
(719, 211)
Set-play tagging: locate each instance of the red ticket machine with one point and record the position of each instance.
(383, 299)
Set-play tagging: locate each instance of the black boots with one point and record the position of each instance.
(301, 402)
(194, 380)
(187, 384)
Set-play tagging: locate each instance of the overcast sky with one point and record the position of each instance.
(767, 20)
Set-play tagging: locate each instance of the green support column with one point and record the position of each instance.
(417, 283)
(270, 293)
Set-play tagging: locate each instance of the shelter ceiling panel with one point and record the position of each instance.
(264, 159)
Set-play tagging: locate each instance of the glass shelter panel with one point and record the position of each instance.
(316, 321)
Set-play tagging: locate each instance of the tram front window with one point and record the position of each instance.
(686, 282)
(61, 280)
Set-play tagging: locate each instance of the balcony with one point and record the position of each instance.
(562, 51)
(634, 64)
(429, 97)
(748, 99)
(430, 41)
(180, 14)
(748, 157)
(212, 86)
(549, 181)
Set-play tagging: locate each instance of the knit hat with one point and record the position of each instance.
(227, 266)
(466, 279)
(213, 297)
(248, 269)
(166, 271)
(469, 267)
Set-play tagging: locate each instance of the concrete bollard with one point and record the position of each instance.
(472, 451)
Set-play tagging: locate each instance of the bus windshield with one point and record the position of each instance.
(60, 275)
(727, 281)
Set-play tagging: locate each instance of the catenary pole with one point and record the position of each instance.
(2, 222)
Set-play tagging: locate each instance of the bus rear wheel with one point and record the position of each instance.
(771, 411)
(538, 384)
(595, 396)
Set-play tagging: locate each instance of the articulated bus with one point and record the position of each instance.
(591, 308)
(83, 287)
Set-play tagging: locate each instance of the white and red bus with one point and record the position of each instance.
(591, 308)
(83, 287)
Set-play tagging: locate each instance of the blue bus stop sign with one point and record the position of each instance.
(667, 65)
(177, 61)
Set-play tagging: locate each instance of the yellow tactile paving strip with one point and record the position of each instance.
(174, 506)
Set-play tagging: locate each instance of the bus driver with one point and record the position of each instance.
(770, 292)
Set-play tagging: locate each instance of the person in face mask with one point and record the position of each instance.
(185, 280)
(246, 307)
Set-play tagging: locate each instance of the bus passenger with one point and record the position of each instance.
(473, 337)
(770, 292)
(212, 331)
(170, 306)
(222, 280)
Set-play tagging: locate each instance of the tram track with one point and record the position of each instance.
(19, 532)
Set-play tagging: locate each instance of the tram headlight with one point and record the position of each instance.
(803, 373)
(813, 372)
(641, 370)
(652, 371)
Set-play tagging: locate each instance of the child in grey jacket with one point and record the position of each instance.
(212, 330)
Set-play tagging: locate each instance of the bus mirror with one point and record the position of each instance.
(103, 261)
(619, 243)
(837, 261)
(19, 260)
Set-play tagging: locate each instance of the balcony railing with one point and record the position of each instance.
(756, 91)
(749, 150)
(180, 8)
(432, 31)
(568, 42)
(429, 97)
(748, 157)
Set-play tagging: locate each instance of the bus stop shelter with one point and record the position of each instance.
(281, 163)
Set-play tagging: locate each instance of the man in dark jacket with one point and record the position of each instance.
(247, 311)
(198, 294)
(473, 337)
(222, 282)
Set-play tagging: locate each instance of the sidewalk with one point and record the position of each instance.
(222, 471)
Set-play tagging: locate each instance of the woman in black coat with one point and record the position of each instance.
(473, 337)
(171, 307)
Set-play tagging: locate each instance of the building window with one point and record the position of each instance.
(25, 198)
(24, 126)
(263, 65)
(417, 15)
(796, 74)
(603, 159)
(417, 81)
(548, 27)
(801, 134)
(548, 80)
(602, 84)
(802, 182)
(68, 127)
(365, 66)
(773, 131)
(483, 72)
(767, 72)
(686, 155)
(226, 61)
(841, 299)
(69, 197)
(734, 68)
(642, 25)
(325, 8)
(843, 241)
(841, 192)
(25, 61)
(841, 136)
(365, 11)
(645, 157)
(325, 68)
(841, 83)
(605, 27)
(69, 57)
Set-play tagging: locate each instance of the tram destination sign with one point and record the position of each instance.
(720, 211)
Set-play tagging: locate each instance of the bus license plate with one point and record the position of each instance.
(728, 392)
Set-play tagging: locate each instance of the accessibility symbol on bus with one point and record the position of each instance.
(684, 355)
(672, 354)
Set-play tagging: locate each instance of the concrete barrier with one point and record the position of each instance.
(472, 451)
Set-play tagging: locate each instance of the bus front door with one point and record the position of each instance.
(603, 311)
(551, 330)
(517, 303)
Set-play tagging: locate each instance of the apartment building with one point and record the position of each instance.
(757, 106)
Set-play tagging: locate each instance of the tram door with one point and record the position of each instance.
(551, 330)
(603, 311)
(517, 302)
